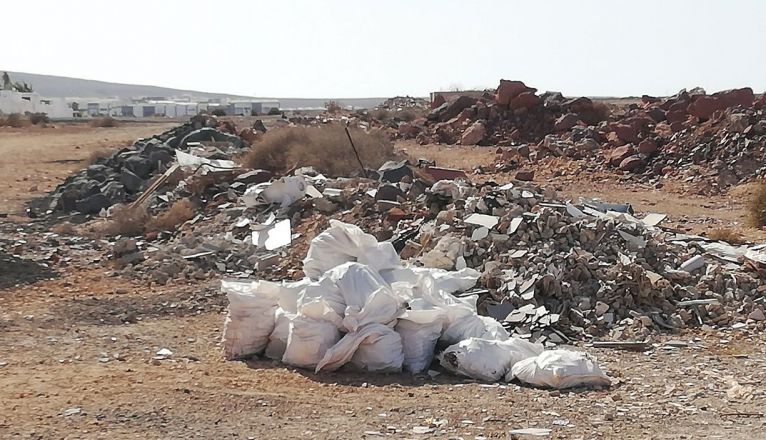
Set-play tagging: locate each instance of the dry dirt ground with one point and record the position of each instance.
(77, 361)
(33, 160)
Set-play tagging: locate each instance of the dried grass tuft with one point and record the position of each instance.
(179, 212)
(757, 207)
(325, 147)
(726, 234)
(105, 122)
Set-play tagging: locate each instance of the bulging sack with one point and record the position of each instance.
(374, 347)
(278, 338)
(250, 319)
(485, 359)
(341, 243)
(308, 341)
(559, 369)
(419, 330)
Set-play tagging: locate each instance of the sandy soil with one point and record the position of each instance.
(77, 361)
(33, 160)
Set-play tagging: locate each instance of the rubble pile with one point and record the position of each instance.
(514, 114)
(399, 103)
(550, 270)
(716, 140)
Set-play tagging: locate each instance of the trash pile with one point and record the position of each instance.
(551, 270)
(361, 307)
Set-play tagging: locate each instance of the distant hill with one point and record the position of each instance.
(61, 86)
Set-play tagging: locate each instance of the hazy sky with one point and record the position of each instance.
(384, 48)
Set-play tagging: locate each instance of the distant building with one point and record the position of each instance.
(247, 107)
(22, 102)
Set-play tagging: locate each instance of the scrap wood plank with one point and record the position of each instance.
(154, 186)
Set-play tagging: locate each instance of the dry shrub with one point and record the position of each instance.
(381, 114)
(726, 234)
(406, 115)
(96, 155)
(15, 120)
(757, 207)
(105, 122)
(64, 228)
(325, 147)
(124, 221)
(38, 118)
(179, 212)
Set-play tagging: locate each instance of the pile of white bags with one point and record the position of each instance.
(360, 307)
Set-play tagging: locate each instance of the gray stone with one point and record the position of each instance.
(93, 204)
(131, 182)
(140, 166)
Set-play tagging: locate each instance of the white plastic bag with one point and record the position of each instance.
(382, 307)
(381, 256)
(493, 329)
(285, 191)
(419, 329)
(446, 281)
(308, 341)
(485, 359)
(326, 290)
(559, 369)
(374, 347)
(341, 243)
(356, 283)
(250, 319)
(278, 338)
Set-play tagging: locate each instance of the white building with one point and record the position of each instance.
(247, 107)
(20, 102)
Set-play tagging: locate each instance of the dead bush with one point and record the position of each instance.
(97, 155)
(381, 114)
(38, 118)
(15, 120)
(726, 234)
(105, 122)
(405, 115)
(179, 212)
(325, 147)
(124, 221)
(757, 208)
(64, 228)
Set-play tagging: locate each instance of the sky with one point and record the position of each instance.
(352, 49)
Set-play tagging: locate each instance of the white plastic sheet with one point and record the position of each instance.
(187, 160)
(559, 369)
(486, 359)
(273, 236)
